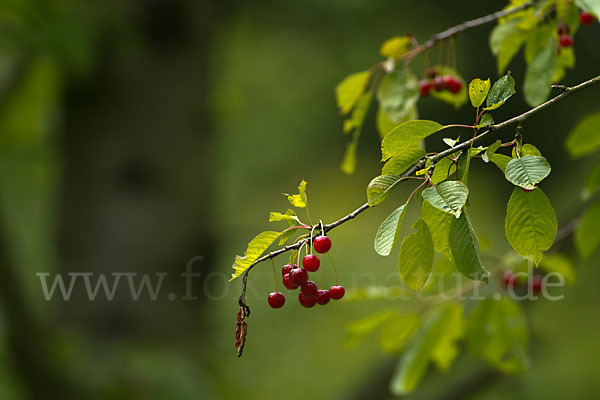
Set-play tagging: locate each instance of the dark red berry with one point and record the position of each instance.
(337, 292)
(537, 283)
(288, 283)
(565, 40)
(438, 83)
(424, 87)
(287, 269)
(311, 262)
(586, 18)
(431, 73)
(306, 301)
(323, 297)
(452, 84)
(276, 299)
(563, 29)
(322, 244)
(509, 280)
(298, 276)
(309, 289)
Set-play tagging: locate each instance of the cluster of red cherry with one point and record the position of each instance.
(438, 83)
(511, 280)
(564, 32)
(295, 277)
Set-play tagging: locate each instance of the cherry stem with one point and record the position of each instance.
(333, 266)
(274, 274)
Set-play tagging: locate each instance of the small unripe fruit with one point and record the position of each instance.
(424, 87)
(322, 244)
(309, 289)
(276, 300)
(337, 292)
(306, 301)
(323, 297)
(287, 269)
(311, 262)
(586, 18)
(288, 283)
(565, 40)
(298, 276)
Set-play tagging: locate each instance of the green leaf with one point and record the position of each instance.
(538, 39)
(384, 125)
(538, 78)
(290, 217)
(358, 330)
(396, 46)
(408, 134)
(446, 349)
(497, 332)
(287, 234)
(389, 231)
(527, 150)
(592, 6)
(530, 224)
(491, 150)
(416, 256)
(587, 234)
(397, 94)
(560, 264)
(502, 90)
(455, 99)
(592, 183)
(348, 165)
(357, 118)
(449, 196)
(380, 186)
(299, 200)
(256, 247)
(377, 293)
(443, 169)
(464, 162)
(350, 89)
(501, 161)
(527, 171)
(478, 91)
(396, 333)
(584, 139)
(486, 120)
(415, 360)
(403, 160)
(465, 249)
(438, 222)
(505, 41)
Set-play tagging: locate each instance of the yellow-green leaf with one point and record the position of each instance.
(416, 256)
(299, 200)
(350, 89)
(256, 247)
(395, 47)
(478, 91)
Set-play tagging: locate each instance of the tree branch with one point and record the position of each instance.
(566, 91)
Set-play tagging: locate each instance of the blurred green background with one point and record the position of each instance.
(137, 135)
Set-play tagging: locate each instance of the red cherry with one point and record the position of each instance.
(306, 301)
(322, 244)
(452, 84)
(298, 276)
(309, 289)
(586, 18)
(337, 292)
(509, 280)
(276, 300)
(311, 262)
(438, 83)
(288, 283)
(323, 297)
(562, 29)
(424, 87)
(537, 283)
(431, 73)
(287, 269)
(565, 40)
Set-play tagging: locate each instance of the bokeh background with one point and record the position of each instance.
(136, 136)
